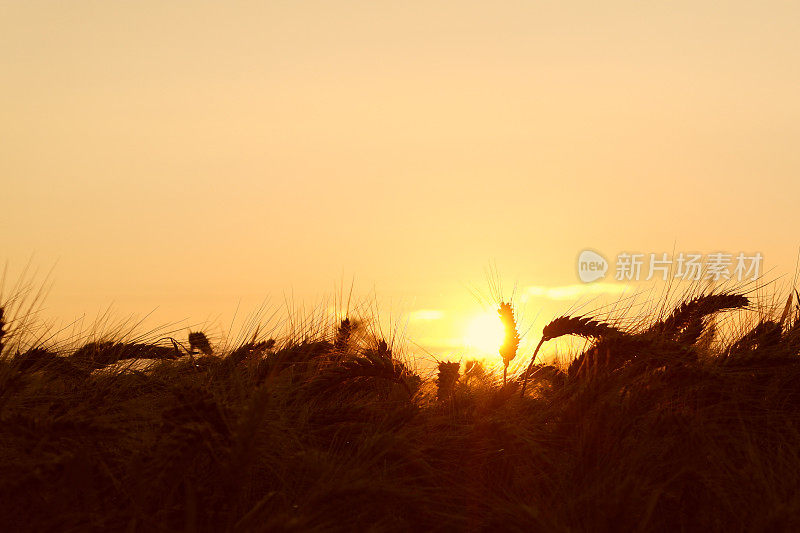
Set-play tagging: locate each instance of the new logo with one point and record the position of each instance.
(591, 266)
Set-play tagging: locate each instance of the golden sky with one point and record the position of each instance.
(187, 156)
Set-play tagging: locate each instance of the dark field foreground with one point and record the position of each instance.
(647, 430)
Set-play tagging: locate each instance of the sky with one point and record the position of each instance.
(188, 159)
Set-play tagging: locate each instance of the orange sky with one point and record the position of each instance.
(189, 156)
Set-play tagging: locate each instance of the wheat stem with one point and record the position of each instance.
(530, 366)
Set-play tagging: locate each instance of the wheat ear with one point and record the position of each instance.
(696, 308)
(508, 350)
(569, 325)
(2, 329)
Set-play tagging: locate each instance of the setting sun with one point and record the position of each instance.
(485, 334)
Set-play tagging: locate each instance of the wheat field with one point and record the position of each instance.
(655, 426)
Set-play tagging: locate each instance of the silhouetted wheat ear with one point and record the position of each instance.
(793, 325)
(2, 328)
(696, 308)
(692, 332)
(374, 363)
(199, 341)
(249, 349)
(786, 308)
(582, 326)
(508, 350)
(344, 332)
(446, 380)
(765, 334)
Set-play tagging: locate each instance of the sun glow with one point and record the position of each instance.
(485, 334)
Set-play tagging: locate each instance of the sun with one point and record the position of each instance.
(485, 334)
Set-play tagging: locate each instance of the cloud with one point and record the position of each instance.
(426, 314)
(572, 292)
